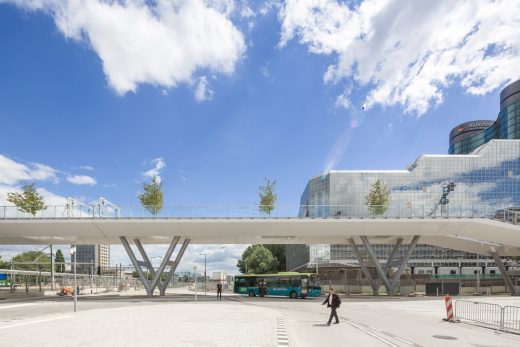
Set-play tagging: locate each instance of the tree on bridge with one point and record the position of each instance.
(267, 197)
(152, 197)
(29, 200)
(377, 199)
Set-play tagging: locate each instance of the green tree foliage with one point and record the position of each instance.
(152, 197)
(278, 252)
(4, 264)
(377, 199)
(43, 260)
(28, 201)
(257, 259)
(59, 258)
(267, 197)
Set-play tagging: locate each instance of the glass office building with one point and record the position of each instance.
(480, 183)
(467, 137)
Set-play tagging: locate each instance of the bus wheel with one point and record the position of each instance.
(293, 295)
(303, 296)
(252, 293)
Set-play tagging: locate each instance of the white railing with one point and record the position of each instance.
(252, 211)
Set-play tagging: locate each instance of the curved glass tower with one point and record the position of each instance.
(467, 137)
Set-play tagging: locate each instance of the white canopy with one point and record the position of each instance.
(478, 235)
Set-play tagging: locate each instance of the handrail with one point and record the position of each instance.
(509, 215)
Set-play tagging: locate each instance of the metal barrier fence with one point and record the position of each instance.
(511, 318)
(506, 318)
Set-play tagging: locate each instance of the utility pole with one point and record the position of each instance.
(195, 281)
(52, 270)
(205, 277)
(73, 254)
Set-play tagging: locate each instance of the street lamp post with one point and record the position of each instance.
(73, 253)
(205, 277)
(225, 269)
(195, 281)
(52, 269)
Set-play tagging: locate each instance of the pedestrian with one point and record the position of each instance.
(219, 291)
(333, 301)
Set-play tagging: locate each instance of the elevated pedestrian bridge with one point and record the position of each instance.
(481, 233)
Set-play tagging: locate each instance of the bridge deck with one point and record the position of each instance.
(467, 234)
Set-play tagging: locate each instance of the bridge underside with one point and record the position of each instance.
(481, 236)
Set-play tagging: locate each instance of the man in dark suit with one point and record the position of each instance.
(333, 301)
(219, 291)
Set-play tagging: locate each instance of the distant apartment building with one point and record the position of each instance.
(97, 255)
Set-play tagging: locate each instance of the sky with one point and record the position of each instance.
(214, 96)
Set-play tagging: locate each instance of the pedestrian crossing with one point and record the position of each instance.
(281, 332)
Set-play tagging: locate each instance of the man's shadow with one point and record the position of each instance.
(320, 325)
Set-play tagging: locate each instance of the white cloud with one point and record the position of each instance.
(202, 90)
(158, 165)
(408, 52)
(161, 43)
(82, 180)
(343, 100)
(86, 167)
(12, 172)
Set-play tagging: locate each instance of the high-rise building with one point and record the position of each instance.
(481, 181)
(467, 137)
(98, 255)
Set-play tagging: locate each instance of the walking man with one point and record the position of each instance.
(333, 301)
(219, 291)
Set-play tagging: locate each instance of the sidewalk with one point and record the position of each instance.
(156, 324)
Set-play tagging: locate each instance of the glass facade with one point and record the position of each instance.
(467, 137)
(98, 255)
(478, 184)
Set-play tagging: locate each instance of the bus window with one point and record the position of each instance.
(314, 282)
(272, 281)
(284, 281)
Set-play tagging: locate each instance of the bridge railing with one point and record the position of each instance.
(252, 211)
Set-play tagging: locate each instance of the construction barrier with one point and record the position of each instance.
(449, 307)
(505, 318)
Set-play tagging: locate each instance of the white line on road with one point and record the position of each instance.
(15, 306)
(403, 340)
(32, 322)
(385, 341)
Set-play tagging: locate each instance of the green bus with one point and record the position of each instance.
(291, 284)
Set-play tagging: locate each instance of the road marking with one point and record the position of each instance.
(15, 306)
(403, 340)
(32, 322)
(385, 341)
(281, 335)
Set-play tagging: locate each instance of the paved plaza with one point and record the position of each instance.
(176, 320)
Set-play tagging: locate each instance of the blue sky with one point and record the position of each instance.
(284, 89)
